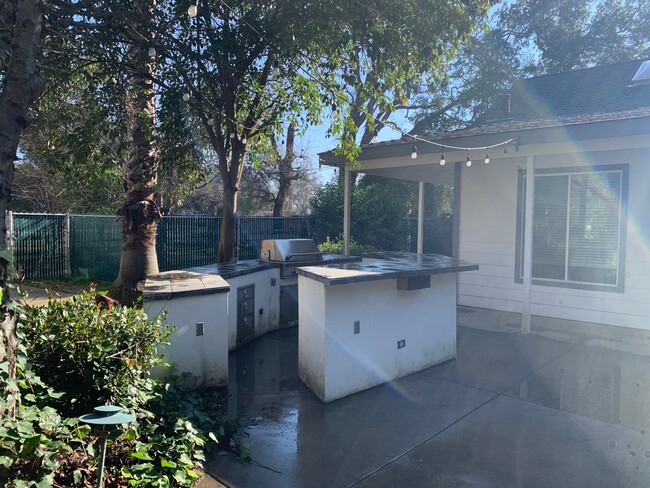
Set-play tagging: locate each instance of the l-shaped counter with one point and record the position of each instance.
(360, 323)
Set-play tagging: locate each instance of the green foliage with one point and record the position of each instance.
(336, 247)
(33, 436)
(379, 208)
(95, 356)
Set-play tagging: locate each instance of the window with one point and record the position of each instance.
(578, 229)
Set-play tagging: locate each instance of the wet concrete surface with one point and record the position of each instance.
(510, 410)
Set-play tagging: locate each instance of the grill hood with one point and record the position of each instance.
(289, 250)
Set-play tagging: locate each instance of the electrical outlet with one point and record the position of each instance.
(199, 328)
(357, 327)
(401, 343)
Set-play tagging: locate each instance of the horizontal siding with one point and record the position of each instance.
(489, 303)
(487, 237)
(500, 248)
(490, 292)
(594, 316)
(476, 279)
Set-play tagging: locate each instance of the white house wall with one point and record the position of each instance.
(487, 236)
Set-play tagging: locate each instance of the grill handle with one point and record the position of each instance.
(316, 255)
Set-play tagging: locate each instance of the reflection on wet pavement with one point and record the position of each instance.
(597, 383)
(482, 419)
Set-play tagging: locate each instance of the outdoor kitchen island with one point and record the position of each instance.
(366, 323)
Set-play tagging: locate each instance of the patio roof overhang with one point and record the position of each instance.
(529, 139)
(392, 158)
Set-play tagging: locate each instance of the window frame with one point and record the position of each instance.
(619, 287)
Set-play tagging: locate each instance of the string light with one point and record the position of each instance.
(442, 158)
(342, 96)
(210, 122)
(487, 158)
(244, 140)
(275, 72)
(186, 97)
(468, 163)
(193, 10)
(375, 138)
(152, 52)
(232, 135)
(414, 153)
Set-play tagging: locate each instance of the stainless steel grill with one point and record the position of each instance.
(289, 251)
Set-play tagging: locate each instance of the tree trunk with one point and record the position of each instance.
(285, 173)
(226, 251)
(22, 86)
(140, 211)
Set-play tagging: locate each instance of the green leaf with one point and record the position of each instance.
(131, 434)
(179, 475)
(143, 456)
(77, 476)
(167, 464)
(31, 444)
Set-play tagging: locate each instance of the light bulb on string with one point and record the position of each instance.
(335, 112)
(152, 52)
(232, 135)
(210, 122)
(193, 10)
(414, 153)
(468, 163)
(442, 158)
(186, 97)
(375, 138)
(244, 140)
(487, 158)
(275, 72)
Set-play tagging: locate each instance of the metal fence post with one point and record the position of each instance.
(66, 247)
(9, 222)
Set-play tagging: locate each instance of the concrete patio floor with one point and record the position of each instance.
(566, 406)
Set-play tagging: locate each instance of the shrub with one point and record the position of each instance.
(95, 356)
(336, 247)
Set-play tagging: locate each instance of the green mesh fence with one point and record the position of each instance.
(91, 249)
(39, 245)
(252, 230)
(95, 243)
(187, 241)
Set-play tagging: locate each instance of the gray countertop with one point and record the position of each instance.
(177, 284)
(383, 266)
(205, 280)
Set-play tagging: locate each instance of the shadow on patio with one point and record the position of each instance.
(568, 405)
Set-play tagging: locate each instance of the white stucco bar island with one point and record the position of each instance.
(365, 323)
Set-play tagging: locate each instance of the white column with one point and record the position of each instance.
(528, 244)
(346, 212)
(421, 218)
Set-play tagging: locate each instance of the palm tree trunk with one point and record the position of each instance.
(140, 211)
